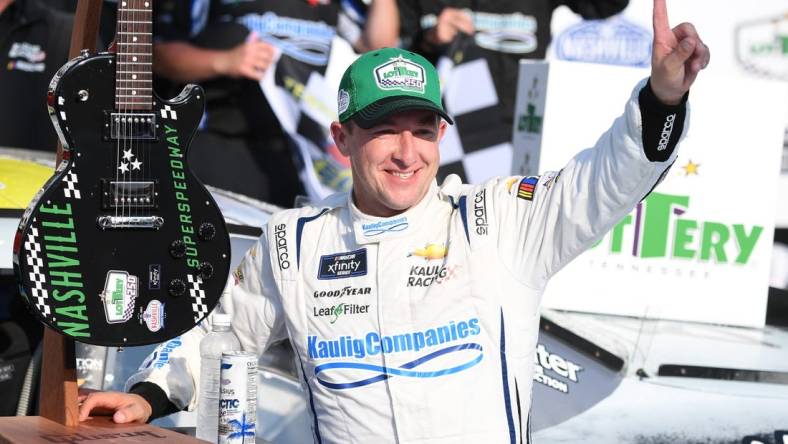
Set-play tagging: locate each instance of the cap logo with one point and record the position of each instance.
(343, 101)
(401, 74)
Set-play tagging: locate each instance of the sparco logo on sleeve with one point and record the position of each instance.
(280, 238)
(667, 128)
(343, 265)
(480, 212)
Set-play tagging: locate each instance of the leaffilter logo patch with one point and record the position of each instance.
(401, 74)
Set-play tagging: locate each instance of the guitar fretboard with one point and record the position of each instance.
(133, 37)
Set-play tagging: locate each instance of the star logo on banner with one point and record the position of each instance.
(124, 167)
(691, 169)
(127, 154)
(136, 164)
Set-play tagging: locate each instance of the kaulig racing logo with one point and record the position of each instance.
(658, 230)
(349, 352)
(306, 41)
(385, 226)
(762, 46)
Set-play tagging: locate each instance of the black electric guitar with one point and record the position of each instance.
(123, 245)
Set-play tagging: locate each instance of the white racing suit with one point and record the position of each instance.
(422, 327)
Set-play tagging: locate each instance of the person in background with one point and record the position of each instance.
(413, 308)
(34, 44)
(227, 48)
(500, 31)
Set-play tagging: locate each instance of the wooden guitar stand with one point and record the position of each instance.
(59, 420)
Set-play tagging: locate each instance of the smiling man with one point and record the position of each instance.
(413, 308)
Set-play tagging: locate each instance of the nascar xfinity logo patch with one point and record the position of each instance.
(343, 265)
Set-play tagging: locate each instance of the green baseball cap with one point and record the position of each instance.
(387, 81)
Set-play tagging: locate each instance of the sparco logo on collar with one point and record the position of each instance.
(480, 212)
(280, 238)
(401, 74)
(667, 128)
(343, 265)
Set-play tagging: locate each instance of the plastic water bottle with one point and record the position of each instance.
(219, 340)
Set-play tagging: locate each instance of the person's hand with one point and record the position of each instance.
(677, 57)
(250, 59)
(449, 23)
(124, 407)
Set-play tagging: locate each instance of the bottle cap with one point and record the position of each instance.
(221, 319)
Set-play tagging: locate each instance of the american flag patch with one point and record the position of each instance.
(526, 188)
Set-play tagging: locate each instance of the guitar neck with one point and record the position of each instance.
(134, 77)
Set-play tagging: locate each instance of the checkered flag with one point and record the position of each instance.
(304, 99)
(70, 182)
(478, 146)
(37, 278)
(196, 292)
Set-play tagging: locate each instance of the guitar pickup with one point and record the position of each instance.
(129, 194)
(129, 126)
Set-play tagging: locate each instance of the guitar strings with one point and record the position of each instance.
(115, 132)
(133, 53)
(127, 109)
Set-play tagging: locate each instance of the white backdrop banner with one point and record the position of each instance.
(698, 248)
(748, 42)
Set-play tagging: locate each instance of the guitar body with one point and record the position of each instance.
(123, 245)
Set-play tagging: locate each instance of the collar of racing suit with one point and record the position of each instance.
(370, 229)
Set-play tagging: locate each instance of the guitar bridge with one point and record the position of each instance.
(128, 194)
(130, 126)
(144, 222)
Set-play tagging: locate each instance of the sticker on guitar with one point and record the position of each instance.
(120, 292)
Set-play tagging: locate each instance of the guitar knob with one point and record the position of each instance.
(176, 288)
(177, 249)
(205, 269)
(206, 231)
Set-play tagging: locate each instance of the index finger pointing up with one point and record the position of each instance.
(661, 25)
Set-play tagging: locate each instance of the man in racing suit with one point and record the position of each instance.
(412, 308)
